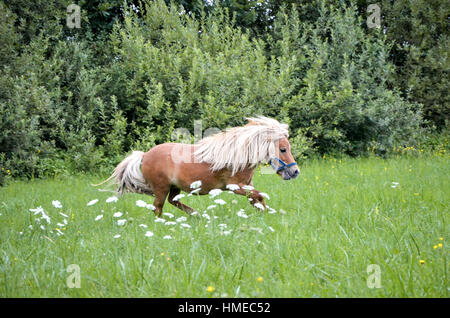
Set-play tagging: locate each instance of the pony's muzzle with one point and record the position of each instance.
(290, 173)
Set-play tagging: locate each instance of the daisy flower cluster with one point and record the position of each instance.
(57, 221)
(43, 221)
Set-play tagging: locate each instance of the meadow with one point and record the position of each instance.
(328, 225)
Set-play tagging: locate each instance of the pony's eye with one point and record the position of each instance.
(283, 149)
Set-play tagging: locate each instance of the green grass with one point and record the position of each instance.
(339, 217)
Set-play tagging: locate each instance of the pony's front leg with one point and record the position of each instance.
(253, 195)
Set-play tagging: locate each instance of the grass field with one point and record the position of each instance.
(335, 219)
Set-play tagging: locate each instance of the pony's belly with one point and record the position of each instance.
(186, 174)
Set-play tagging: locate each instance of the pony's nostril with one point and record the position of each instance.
(296, 172)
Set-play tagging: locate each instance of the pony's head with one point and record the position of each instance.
(282, 160)
(279, 156)
(261, 139)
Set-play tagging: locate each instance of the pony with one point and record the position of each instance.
(225, 160)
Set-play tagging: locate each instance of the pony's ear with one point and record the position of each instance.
(251, 121)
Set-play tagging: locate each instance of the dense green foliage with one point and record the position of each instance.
(319, 243)
(77, 99)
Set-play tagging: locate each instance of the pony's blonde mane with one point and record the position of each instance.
(242, 147)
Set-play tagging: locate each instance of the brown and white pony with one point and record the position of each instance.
(228, 157)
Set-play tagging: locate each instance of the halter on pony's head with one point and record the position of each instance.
(283, 166)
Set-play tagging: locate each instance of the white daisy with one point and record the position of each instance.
(98, 217)
(121, 222)
(37, 210)
(195, 191)
(265, 195)
(149, 234)
(248, 187)
(117, 214)
(167, 237)
(234, 201)
(160, 220)
(257, 229)
(222, 225)
(169, 215)
(233, 187)
(215, 192)
(206, 216)
(181, 219)
(170, 223)
(57, 204)
(272, 211)
(258, 206)
(116, 236)
(92, 202)
(141, 204)
(241, 213)
(60, 224)
(220, 201)
(46, 217)
(194, 213)
(112, 199)
(196, 184)
(178, 197)
(185, 225)
(226, 232)
(211, 207)
(143, 225)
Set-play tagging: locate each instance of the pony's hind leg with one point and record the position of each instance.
(173, 192)
(160, 198)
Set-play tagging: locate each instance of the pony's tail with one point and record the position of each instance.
(128, 175)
